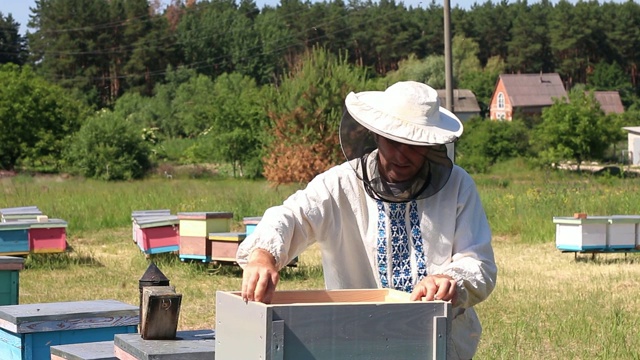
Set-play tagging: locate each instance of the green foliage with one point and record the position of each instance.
(193, 106)
(486, 142)
(429, 71)
(109, 147)
(237, 123)
(575, 130)
(36, 120)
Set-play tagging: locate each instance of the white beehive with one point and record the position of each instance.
(581, 234)
(622, 232)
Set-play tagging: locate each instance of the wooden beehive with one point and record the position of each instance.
(581, 234)
(14, 238)
(49, 236)
(157, 234)
(19, 213)
(28, 331)
(99, 350)
(188, 345)
(224, 246)
(330, 324)
(10, 267)
(622, 232)
(200, 224)
(141, 214)
(250, 224)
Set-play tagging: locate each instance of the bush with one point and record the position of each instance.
(109, 147)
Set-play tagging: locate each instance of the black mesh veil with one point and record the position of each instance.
(359, 147)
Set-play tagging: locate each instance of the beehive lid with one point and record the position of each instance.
(156, 221)
(204, 215)
(14, 225)
(251, 220)
(11, 263)
(580, 221)
(141, 213)
(228, 236)
(625, 219)
(50, 223)
(72, 315)
(21, 210)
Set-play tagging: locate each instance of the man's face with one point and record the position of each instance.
(400, 162)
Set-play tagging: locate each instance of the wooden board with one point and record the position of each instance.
(73, 315)
(188, 345)
(99, 350)
(160, 312)
(349, 324)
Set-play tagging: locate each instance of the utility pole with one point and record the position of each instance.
(448, 61)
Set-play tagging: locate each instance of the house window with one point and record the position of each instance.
(500, 101)
(500, 116)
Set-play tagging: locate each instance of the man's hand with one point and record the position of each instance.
(435, 287)
(260, 277)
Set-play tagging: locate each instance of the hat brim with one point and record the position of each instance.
(445, 129)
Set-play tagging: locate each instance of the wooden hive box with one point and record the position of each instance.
(200, 224)
(334, 324)
(140, 214)
(14, 238)
(224, 246)
(250, 224)
(188, 345)
(20, 213)
(10, 267)
(581, 234)
(49, 236)
(158, 234)
(28, 331)
(622, 232)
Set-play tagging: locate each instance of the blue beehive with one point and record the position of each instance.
(14, 238)
(28, 331)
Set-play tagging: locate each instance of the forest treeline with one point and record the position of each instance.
(235, 74)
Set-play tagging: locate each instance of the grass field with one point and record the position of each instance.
(547, 304)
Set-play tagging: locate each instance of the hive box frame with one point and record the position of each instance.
(332, 324)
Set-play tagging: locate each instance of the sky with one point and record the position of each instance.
(19, 9)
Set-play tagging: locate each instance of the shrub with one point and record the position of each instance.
(109, 147)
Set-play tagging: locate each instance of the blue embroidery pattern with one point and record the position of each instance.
(416, 238)
(400, 246)
(382, 246)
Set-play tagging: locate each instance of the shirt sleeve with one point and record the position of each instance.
(473, 264)
(287, 230)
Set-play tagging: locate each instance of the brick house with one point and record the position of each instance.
(526, 93)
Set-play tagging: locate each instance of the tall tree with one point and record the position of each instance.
(69, 45)
(529, 50)
(625, 36)
(13, 47)
(205, 34)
